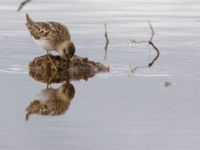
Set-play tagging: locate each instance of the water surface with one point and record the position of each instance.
(109, 111)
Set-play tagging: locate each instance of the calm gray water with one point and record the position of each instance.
(109, 111)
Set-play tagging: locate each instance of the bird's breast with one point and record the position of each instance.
(45, 44)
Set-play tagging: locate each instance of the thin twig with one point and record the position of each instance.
(154, 47)
(152, 31)
(131, 42)
(107, 41)
(22, 4)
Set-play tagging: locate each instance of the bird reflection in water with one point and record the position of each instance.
(52, 101)
(56, 101)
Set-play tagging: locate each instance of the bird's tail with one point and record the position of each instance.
(29, 20)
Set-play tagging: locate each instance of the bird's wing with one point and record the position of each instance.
(59, 31)
(39, 29)
(49, 30)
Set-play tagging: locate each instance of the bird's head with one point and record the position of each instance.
(66, 92)
(68, 51)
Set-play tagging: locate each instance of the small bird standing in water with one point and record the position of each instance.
(52, 36)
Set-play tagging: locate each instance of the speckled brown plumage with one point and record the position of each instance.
(51, 36)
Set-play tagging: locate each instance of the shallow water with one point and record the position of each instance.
(110, 111)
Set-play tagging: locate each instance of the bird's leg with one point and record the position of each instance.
(67, 61)
(51, 79)
(47, 86)
(49, 57)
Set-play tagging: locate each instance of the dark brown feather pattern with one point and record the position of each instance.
(52, 31)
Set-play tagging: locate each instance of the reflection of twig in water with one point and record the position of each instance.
(150, 42)
(133, 69)
(157, 55)
(22, 4)
(107, 42)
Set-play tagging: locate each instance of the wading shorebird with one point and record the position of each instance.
(52, 36)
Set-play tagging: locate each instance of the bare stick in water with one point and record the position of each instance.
(22, 4)
(136, 42)
(132, 70)
(154, 47)
(107, 41)
(152, 31)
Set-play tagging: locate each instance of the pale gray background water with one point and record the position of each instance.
(110, 111)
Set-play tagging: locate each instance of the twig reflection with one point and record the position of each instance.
(107, 42)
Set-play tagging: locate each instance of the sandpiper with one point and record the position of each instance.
(51, 36)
